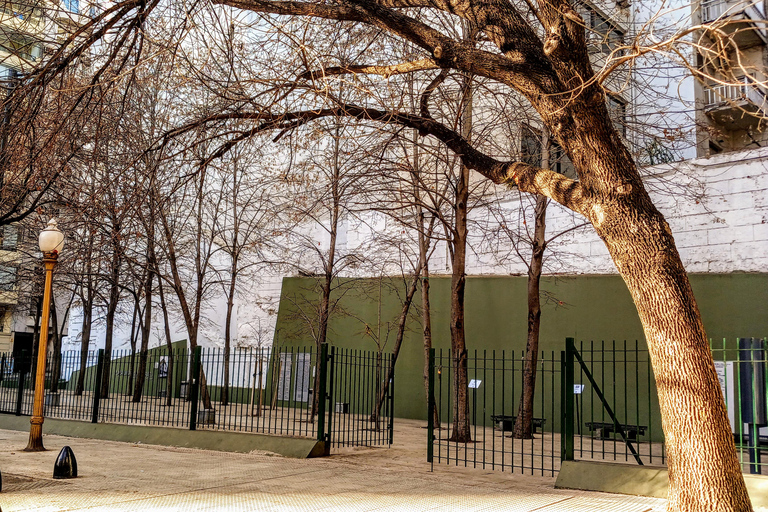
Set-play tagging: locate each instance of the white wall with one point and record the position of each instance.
(717, 209)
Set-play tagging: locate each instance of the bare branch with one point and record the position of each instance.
(535, 180)
(385, 71)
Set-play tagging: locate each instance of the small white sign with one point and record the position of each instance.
(474, 384)
(578, 389)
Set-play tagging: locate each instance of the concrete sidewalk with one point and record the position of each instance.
(123, 476)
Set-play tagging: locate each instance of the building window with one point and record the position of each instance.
(531, 153)
(601, 33)
(617, 110)
(22, 46)
(9, 238)
(72, 5)
(8, 278)
(530, 146)
(560, 163)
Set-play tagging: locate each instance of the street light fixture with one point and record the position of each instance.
(51, 242)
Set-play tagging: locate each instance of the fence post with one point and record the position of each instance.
(97, 386)
(431, 406)
(321, 395)
(752, 396)
(22, 377)
(392, 400)
(566, 415)
(331, 401)
(194, 387)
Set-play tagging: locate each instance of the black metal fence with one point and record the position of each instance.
(248, 390)
(592, 401)
(494, 385)
(742, 366)
(609, 407)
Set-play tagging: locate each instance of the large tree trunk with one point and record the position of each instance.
(523, 425)
(693, 411)
(704, 470)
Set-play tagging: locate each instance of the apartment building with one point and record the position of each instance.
(731, 75)
(27, 28)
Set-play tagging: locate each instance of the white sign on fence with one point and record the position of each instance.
(474, 384)
(578, 389)
(303, 380)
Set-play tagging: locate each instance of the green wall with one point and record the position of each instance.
(120, 366)
(584, 307)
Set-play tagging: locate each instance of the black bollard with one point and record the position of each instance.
(66, 464)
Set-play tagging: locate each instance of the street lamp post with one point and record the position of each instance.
(51, 241)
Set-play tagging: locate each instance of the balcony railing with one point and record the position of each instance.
(714, 9)
(747, 90)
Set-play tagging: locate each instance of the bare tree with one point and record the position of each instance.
(539, 51)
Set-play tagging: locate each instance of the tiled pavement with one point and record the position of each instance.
(128, 477)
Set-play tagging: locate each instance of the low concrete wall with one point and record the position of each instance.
(650, 481)
(294, 447)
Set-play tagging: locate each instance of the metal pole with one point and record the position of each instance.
(20, 390)
(36, 422)
(431, 406)
(194, 386)
(567, 443)
(392, 400)
(321, 396)
(97, 386)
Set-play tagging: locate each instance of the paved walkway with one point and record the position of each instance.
(125, 477)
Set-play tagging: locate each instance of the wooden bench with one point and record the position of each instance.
(506, 423)
(604, 430)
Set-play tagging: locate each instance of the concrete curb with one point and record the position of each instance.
(651, 481)
(293, 447)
